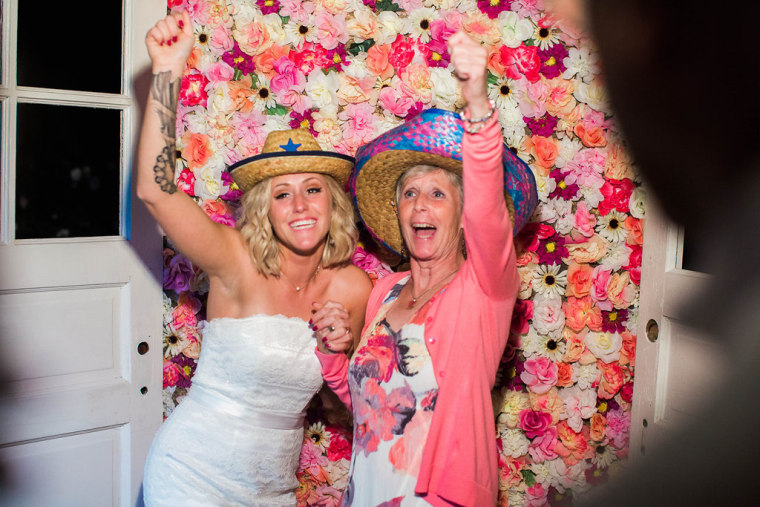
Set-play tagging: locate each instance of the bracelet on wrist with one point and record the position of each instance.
(473, 126)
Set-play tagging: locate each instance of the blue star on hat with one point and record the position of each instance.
(291, 146)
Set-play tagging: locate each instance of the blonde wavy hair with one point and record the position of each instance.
(263, 245)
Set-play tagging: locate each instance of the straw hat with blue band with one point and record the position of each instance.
(433, 137)
(289, 152)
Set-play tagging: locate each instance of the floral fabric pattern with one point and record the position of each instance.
(393, 392)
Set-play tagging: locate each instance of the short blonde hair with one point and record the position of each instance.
(263, 245)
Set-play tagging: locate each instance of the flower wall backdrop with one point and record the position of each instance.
(350, 69)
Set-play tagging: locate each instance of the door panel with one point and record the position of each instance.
(676, 365)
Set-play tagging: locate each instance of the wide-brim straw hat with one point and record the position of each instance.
(433, 137)
(289, 152)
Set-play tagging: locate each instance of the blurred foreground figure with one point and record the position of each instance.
(678, 77)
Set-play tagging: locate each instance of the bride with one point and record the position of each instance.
(236, 437)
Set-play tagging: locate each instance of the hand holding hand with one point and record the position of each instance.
(469, 60)
(332, 326)
(170, 42)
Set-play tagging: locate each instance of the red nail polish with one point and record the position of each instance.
(181, 24)
(310, 322)
(174, 39)
(168, 43)
(314, 328)
(324, 339)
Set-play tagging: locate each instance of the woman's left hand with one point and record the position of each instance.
(332, 325)
(469, 60)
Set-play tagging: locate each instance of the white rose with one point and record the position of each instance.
(605, 346)
(390, 25)
(445, 88)
(322, 89)
(514, 29)
(548, 316)
(514, 442)
(592, 94)
(637, 202)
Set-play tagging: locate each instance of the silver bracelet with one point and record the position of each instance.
(474, 126)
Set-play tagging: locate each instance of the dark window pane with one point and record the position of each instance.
(70, 45)
(692, 258)
(67, 171)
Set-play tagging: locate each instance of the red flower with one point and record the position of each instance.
(402, 52)
(521, 61)
(192, 92)
(616, 194)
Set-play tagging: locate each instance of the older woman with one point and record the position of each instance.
(419, 382)
(236, 438)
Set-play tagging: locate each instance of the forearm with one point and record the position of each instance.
(157, 152)
(487, 224)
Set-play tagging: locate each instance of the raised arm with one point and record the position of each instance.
(487, 226)
(202, 240)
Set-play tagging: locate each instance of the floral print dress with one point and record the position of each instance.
(393, 392)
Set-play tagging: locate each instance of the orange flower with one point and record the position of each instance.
(628, 350)
(593, 137)
(579, 277)
(597, 425)
(620, 290)
(564, 375)
(581, 312)
(197, 150)
(377, 61)
(265, 59)
(545, 151)
(611, 380)
(635, 229)
(575, 347)
(240, 93)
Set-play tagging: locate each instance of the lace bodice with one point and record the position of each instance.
(262, 362)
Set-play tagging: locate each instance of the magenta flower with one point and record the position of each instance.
(239, 60)
(552, 60)
(231, 194)
(542, 126)
(437, 53)
(492, 8)
(564, 190)
(303, 120)
(268, 6)
(336, 58)
(187, 369)
(614, 321)
(552, 249)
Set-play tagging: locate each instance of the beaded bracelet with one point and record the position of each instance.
(474, 126)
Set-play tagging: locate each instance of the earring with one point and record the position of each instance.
(393, 205)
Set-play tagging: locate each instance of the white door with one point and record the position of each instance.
(80, 261)
(676, 365)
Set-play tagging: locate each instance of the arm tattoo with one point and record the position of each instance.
(165, 93)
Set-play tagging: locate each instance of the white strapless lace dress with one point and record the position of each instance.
(236, 437)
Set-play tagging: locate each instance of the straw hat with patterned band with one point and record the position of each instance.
(289, 152)
(433, 137)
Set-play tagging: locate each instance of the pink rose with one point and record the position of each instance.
(401, 54)
(172, 374)
(534, 422)
(542, 447)
(219, 212)
(521, 61)
(540, 374)
(599, 282)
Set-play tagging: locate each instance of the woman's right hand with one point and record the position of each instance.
(170, 42)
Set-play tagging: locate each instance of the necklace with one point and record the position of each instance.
(299, 287)
(419, 296)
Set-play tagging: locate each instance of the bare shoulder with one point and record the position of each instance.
(352, 283)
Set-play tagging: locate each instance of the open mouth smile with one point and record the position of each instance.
(424, 230)
(303, 224)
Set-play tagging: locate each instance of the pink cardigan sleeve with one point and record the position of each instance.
(487, 225)
(335, 373)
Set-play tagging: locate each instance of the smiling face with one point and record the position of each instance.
(430, 215)
(300, 208)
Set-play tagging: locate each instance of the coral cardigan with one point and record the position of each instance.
(466, 331)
